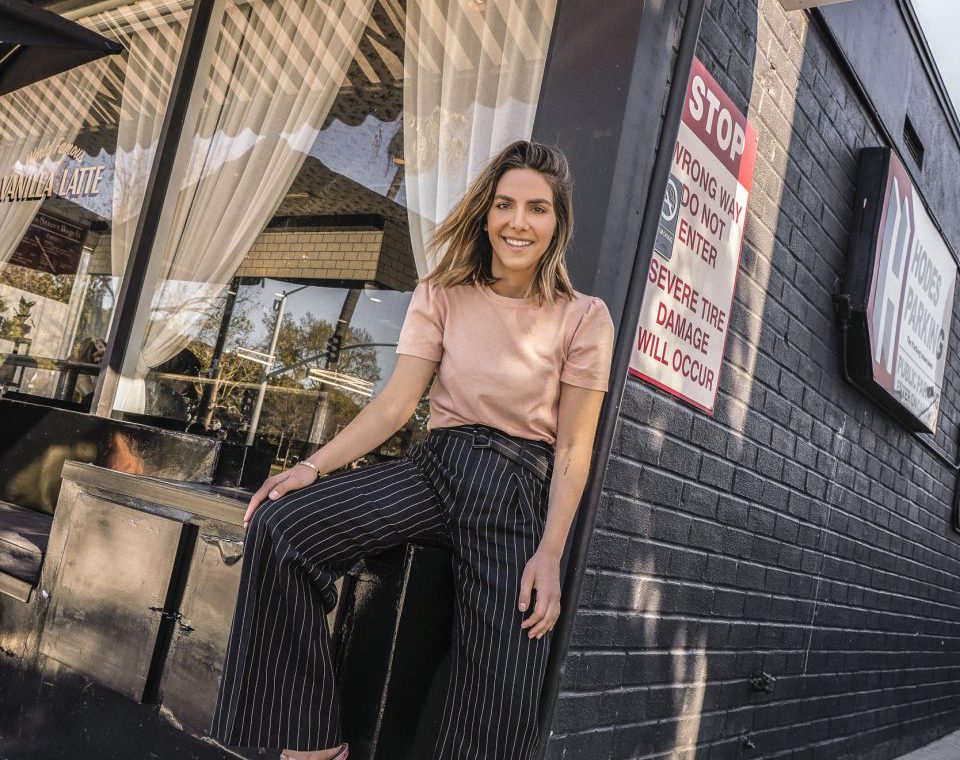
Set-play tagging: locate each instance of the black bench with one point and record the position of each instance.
(36, 438)
(23, 542)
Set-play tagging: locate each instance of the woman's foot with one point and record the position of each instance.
(337, 753)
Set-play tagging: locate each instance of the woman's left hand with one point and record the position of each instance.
(542, 573)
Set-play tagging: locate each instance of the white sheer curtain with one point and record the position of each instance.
(472, 75)
(30, 125)
(15, 217)
(277, 70)
(153, 36)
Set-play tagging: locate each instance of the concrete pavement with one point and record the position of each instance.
(947, 748)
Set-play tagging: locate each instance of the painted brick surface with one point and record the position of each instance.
(800, 531)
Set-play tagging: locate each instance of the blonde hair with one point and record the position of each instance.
(468, 253)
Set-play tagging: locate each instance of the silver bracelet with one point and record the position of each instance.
(311, 465)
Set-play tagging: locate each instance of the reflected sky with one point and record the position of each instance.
(100, 204)
(940, 20)
(361, 153)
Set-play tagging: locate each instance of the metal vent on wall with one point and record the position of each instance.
(912, 140)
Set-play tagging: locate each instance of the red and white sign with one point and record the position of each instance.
(689, 289)
(910, 306)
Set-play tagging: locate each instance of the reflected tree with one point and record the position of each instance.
(18, 327)
(235, 374)
(291, 402)
(54, 286)
(289, 409)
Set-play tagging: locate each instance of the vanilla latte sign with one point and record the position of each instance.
(43, 176)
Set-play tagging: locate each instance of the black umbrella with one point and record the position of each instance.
(36, 44)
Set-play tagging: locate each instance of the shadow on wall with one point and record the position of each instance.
(850, 613)
(687, 663)
(698, 701)
(799, 534)
(723, 611)
(779, 350)
(822, 486)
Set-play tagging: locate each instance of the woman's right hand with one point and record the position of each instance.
(277, 485)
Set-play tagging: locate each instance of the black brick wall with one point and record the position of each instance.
(800, 531)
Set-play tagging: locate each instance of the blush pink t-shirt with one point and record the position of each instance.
(502, 359)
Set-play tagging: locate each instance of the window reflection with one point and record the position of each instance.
(75, 152)
(320, 375)
(330, 138)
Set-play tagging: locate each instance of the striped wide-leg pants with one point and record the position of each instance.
(477, 490)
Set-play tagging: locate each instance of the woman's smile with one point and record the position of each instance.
(517, 243)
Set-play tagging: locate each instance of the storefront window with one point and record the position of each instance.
(75, 153)
(329, 140)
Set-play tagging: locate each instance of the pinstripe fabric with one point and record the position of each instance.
(277, 685)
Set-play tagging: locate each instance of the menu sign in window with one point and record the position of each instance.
(689, 288)
(50, 245)
(902, 277)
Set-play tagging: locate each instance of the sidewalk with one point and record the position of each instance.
(947, 748)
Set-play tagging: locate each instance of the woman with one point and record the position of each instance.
(522, 362)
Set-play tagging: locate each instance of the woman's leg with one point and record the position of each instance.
(496, 524)
(277, 688)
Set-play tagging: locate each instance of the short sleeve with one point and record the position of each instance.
(422, 331)
(587, 364)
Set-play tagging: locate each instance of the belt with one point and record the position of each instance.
(534, 456)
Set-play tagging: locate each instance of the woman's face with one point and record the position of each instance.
(521, 222)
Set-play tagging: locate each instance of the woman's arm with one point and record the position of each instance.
(382, 417)
(576, 428)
